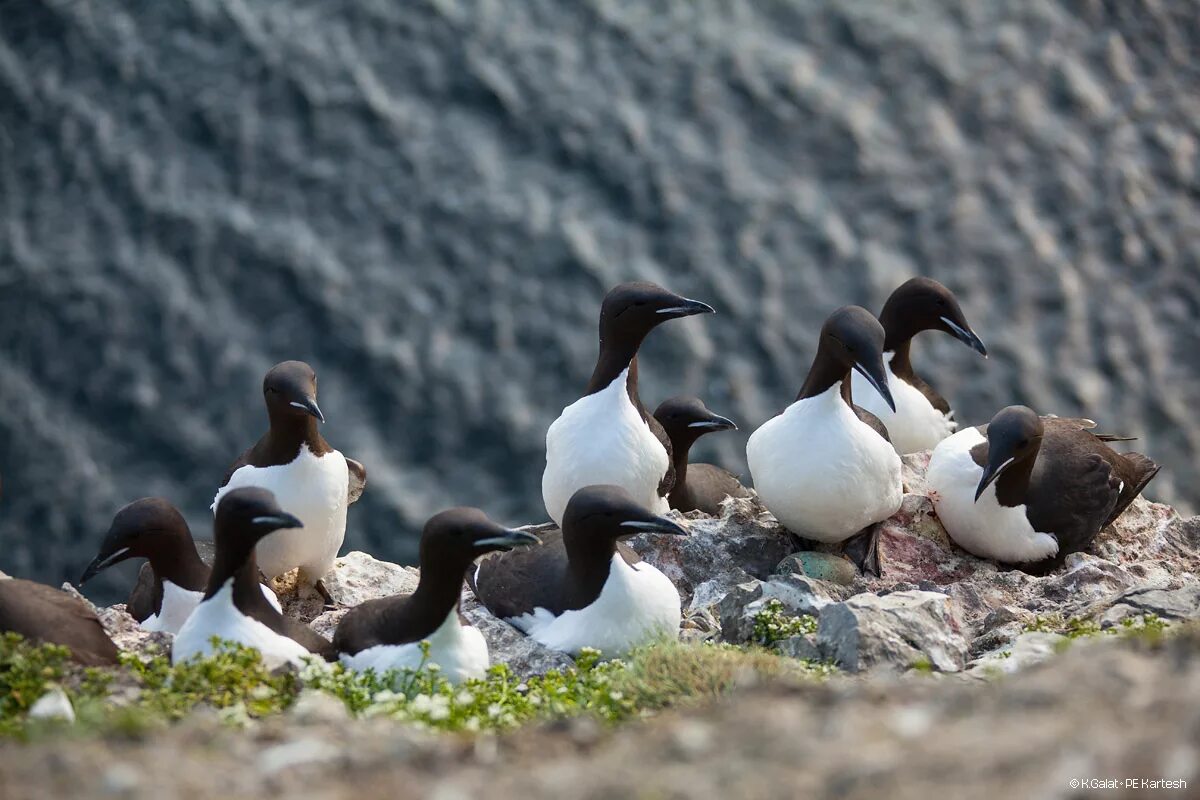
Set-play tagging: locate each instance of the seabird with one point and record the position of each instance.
(607, 436)
(698, 487)
(922, 417)
(234, 608)
(580, 588)
(308, 477)
(824, 467)
(386, 633)
(46, 615)
(153, 529)
(1028, 490)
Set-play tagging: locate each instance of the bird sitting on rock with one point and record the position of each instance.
(698, 487)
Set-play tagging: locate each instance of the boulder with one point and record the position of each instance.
(797, 594)
(128, 635)
(1169, 604)
(897, 631)
(1026, 650)
(507, 645)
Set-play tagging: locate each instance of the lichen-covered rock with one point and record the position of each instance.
(745, 540)
(1026, 650)
(128, 635)
(796, 593)
(358, 577)
(1169, 604)
(896, 630)
(507, 645)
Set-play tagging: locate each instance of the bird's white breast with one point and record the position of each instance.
(602, 438)
(915, 425)
(823, 472)
(638, 604)
(985, 528)
(460, 652)
(315, 489)
(179, 603)
(219, 617)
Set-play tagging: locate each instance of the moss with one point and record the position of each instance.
(923, 666)
(1149, 626)
(235, 683)
(772, 624)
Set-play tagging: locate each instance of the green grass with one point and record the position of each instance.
(1148, 626)
(772, 624)
(238, 686)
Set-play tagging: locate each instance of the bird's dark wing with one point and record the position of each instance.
(363, 626)
(1135, 471)
(358, 479)
(705, 487)
(516, 582)
(242, 461)
(1072, 492)
(145, 598)
(42, 613)
(873, 421)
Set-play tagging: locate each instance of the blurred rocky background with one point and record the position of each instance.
(427, 200)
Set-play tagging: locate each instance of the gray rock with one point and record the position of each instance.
(746, 540)
(1027, 649)
(358, 577)
(507, 645)
(298, 753)
(327, 623)
(798, 594)
(314, 707)
(1170, 604)
(896, 630)
(802, 647)
(128, 635)
(54, 704)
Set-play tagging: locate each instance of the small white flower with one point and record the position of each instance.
(494, 710)
(472, 724)
(439, 713)
(464, 698)
(616, 696)
(421, 703)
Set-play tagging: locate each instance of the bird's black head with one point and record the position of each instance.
(852, 339)
(631, 310)
(1014, 436)
(600, 515)
(148, 528)
(686, 419)
(246, 515)
(923, 304)
(453, 539)
(290, 389)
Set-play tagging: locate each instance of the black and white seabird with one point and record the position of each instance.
(824, 467)
(698, 487)
(153, 529)
(607, 436)
(46, 615)
(234, 608)
(1029, 490)
(922, 417)
(308, 477)
(386, 634)
(581, 588)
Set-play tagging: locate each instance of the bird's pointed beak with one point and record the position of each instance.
(876, 375)
(685, 308)
(279, 520)
(507, 540)
(714, 423)
(965, 335)
(309, 406)
(991, 472)
(103, 562)
(655, 525)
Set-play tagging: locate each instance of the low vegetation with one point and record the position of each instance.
(144, 695)
(1148, 626)
(773, 624)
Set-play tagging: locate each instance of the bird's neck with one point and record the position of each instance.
(823, 374)
(288, 432)
(612, 361)
(588, 565)
(182, 567)
(1012, 487)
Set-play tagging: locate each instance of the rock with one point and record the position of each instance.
(507, 645)
(745, 540)
(327, 623)
(797, 593)
(1027, 649)
(298, 753)
(896, 630)
(54, 704)
(802, 647)
(1169, 604)
(128, 635)
(828, 567)
(315, 707)
(357, 577)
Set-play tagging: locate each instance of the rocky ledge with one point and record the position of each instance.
(934, 608)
